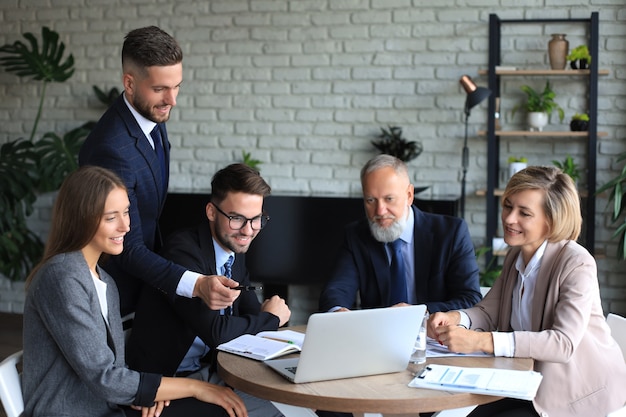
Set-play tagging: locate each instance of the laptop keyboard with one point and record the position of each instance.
(292, 369)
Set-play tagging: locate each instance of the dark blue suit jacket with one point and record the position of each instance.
(163, 330)
(118, 143)
(446, 272)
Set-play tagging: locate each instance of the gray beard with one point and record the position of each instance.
(387, 234)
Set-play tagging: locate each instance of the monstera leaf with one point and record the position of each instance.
(19, 247)
(44, 65)
(57, 157)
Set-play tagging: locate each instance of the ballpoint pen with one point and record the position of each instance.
(246, 288)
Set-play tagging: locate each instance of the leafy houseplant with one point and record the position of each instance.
(251, 162)
(569, 167)
(540, 102)
(492, 270)
(579, 122)
(392, 143)
(579, 57)
(617, 189)
(516, 164)
(29, 167)
(44, 65)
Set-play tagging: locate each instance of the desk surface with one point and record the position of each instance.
(387, 393)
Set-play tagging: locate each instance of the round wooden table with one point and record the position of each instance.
(388, 394)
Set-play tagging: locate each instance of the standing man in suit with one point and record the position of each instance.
(436, 261)
(179, 338)
(131, 140)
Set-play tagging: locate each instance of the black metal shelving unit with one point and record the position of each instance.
(493, 136)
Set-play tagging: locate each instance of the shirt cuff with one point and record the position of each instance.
(503, 344)
(465, 320)
(187, 283)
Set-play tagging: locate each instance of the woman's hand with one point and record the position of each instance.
(224, 397)
(435, 320)
(461, 340)
(154, 411)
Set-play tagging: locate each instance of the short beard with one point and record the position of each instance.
(390, 233)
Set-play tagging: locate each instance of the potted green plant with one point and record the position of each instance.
(579, 58)
(539, 105)
(491, 271)
(617, 188)
(516, 164)
(569, 167)
(392, 143)
(579, 122)
(29, 167)
(253, 163)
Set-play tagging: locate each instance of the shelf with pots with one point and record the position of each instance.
(557, 52)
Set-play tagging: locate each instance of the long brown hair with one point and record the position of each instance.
(77, 211)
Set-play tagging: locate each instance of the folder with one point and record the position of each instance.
(499, 382)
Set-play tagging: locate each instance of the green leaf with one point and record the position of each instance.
(44, 65)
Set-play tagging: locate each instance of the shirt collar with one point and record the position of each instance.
(534, 262)
(221, 256)
(145, 125)
(407, 233)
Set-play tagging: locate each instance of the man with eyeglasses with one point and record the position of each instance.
(179, 338)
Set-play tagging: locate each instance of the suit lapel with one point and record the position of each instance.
(143, 147)
(422, 250)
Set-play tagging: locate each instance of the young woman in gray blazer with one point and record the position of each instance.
(546, 306)
(73, 337)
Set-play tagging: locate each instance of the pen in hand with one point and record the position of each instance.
(246, 288)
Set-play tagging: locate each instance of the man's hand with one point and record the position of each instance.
(215, 291)
(278, 307)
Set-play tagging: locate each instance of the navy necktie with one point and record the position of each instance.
(228, 267)
(158, 148)
(397, 293)
(228, 273)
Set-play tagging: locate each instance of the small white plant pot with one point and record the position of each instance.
(537, 120)
(516, 166)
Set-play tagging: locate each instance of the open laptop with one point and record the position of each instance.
(354, 343)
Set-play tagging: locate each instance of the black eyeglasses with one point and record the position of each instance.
(239, 222)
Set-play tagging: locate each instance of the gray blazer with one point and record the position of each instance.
(74, 361)
(582, 366)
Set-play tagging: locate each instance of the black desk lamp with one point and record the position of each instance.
(474, 96)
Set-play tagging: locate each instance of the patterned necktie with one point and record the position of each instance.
(228, 273)
(228, 267)
(397, 293)
(158, 148)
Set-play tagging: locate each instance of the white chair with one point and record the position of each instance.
(617, 324)
(455, 412)
(11, 386)
(293, 411)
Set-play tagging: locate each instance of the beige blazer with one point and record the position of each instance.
(583, 369)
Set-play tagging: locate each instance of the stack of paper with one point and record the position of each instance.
(499, 382)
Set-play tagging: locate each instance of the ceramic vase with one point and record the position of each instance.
(558, 48)
(515, 167)
(537, 120)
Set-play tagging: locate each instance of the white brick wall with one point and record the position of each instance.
(305, 86)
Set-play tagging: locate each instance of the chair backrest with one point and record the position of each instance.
(617, 324)
(10, 386)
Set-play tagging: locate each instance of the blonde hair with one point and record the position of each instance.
(561, 202)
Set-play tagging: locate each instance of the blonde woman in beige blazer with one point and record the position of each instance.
(545, 305)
